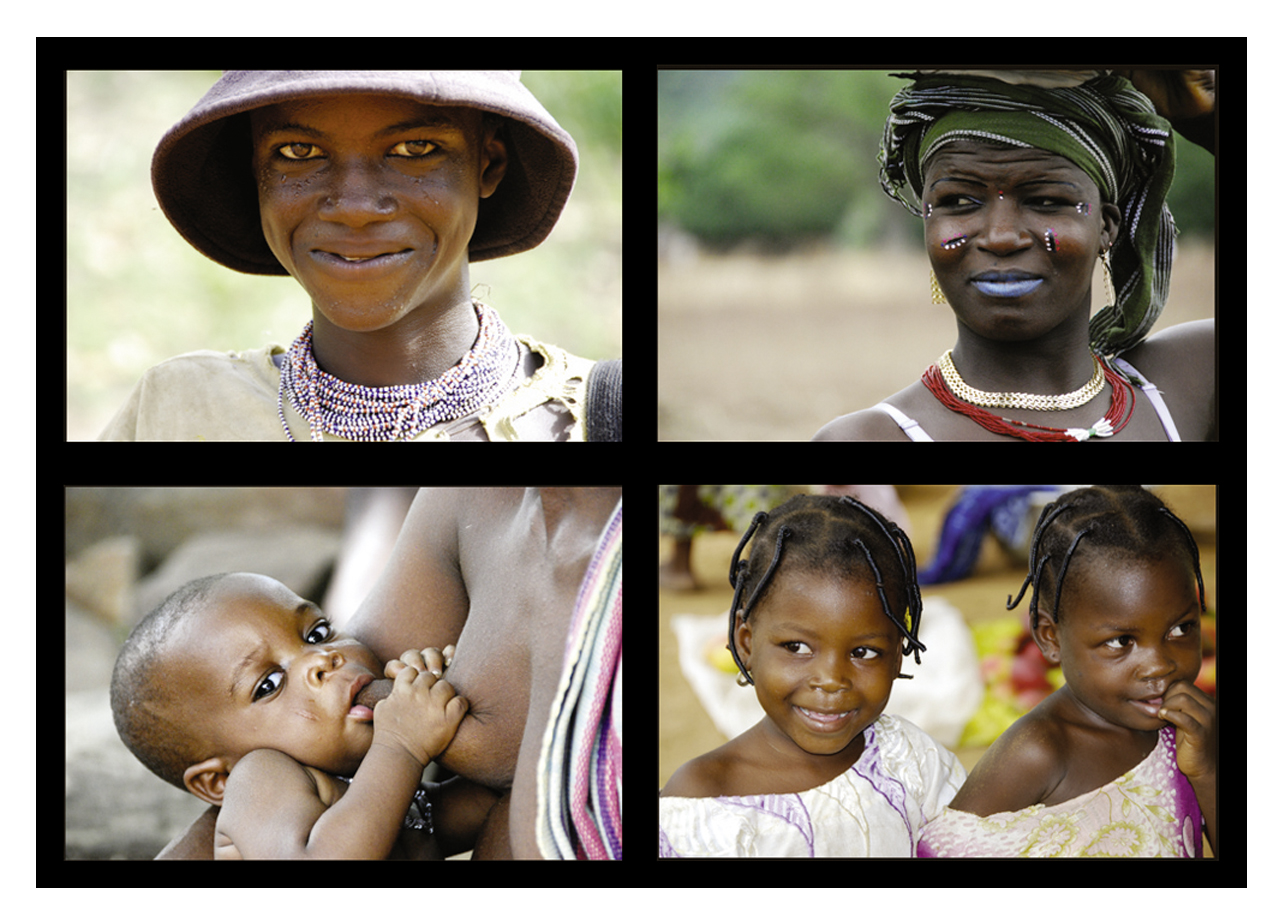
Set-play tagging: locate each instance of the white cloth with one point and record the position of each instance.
(875, 809)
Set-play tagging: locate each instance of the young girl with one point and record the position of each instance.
(1121, 760)
(832, 605)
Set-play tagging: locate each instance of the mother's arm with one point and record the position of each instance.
(420, 599)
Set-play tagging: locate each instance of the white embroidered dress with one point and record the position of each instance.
(875, 809)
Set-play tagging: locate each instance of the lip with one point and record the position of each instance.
(371, 263)
(823, 720)
(354, 711)
(1151, 706)
(1006, 284)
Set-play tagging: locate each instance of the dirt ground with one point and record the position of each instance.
(771, 349)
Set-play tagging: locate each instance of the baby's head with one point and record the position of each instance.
(233, 663)
(1117, 596)
(831, 605)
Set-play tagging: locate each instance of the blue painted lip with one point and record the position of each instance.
(1012, 288)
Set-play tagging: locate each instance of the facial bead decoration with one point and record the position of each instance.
(930, 208)
(1051, 244)
(1000, 195)
(1083, 207)
(956, 242)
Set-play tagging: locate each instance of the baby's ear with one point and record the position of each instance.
(208, 779)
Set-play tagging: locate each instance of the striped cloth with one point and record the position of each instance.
(1104, 125)
(580, 766)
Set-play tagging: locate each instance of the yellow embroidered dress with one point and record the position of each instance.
(1150, 811)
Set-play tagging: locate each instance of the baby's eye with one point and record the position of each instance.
(1184, 629)
(319, 633)
(299, 151)
(796, 646)
(269, 685)
(413, 149)
(865, 652)
(1119, 642)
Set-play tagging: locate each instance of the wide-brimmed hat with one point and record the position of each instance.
(204, 181)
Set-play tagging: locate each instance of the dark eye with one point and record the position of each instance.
(319, 633)
(299, 151)
(269, 685)
(413, 149)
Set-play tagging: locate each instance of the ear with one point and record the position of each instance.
(208, 779)
(493, 160)
(1046, 635)
(743, 640)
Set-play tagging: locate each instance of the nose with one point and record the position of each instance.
(830, 676)
(357, 195)
(322, 663)
(1003, 232)
(1155, 663)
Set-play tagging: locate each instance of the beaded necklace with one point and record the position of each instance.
(399, 412)
(1111, 423)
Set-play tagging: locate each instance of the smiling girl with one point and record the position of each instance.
(831, 606)
(1121, 761)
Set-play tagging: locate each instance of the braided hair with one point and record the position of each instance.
(833, 535)
(1127, 521)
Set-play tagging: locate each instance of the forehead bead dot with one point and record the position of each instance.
(400, 412)
(956, 241)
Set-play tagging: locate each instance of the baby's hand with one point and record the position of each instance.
(422, 714)
(1195, 718)
(427, 660)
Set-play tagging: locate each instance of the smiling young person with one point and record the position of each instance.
(1023, 181)
(374, 190)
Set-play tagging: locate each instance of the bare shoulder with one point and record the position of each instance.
(703, 776)
(1180, 361)
(1021, 769)
(269, 806)
(864, 425)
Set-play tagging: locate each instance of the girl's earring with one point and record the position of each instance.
(744, 680)
(936, 293)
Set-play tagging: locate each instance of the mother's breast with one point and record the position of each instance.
(491, 669)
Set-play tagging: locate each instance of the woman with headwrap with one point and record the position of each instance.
(1023, 180)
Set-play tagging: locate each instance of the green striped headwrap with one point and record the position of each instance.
(1104, 125)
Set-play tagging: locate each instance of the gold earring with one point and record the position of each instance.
(936, 293)
(1109, 290)
(744, 680)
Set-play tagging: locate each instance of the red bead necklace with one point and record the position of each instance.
(1118, 415)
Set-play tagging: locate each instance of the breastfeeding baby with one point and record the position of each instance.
(242, 693)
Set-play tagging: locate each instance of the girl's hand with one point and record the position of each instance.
(1195, 717)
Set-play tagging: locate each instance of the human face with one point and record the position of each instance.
(262, 668)
(1013, 236)
(370, 201)
(1127, 632)
(823, 657)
